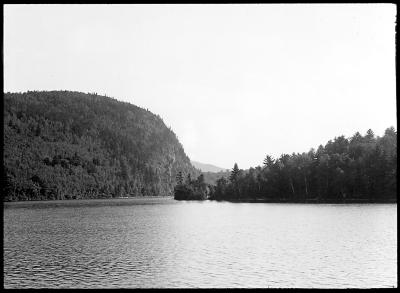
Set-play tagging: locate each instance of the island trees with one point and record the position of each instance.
(191, 189)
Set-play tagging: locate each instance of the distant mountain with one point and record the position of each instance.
(207, 167)
(71, 145)
(212, 177)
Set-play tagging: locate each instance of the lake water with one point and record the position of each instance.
(158, 243)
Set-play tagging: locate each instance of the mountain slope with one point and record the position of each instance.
(207, 167)
(61, 145)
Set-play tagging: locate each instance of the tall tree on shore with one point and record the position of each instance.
(234, 178)
(268, 162)
(234, 173)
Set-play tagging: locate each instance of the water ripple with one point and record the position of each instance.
(199, 245)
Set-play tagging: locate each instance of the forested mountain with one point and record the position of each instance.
(63, 145)
(207, 167)
(356, 169)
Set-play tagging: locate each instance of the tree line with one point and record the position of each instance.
(356, 169)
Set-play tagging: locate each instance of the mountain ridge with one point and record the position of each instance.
(71, 145)
(207, 167)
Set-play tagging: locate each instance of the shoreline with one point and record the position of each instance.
(149, 198)
(349, 201)
(121, 199)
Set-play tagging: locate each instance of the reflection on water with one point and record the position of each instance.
(163, 243)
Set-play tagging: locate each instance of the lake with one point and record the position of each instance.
(158, 243)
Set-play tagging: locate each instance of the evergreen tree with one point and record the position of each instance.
(234, 173)
(268, 161)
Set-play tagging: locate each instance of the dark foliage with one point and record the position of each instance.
(359, 169)
(191, 189)
(64, 145)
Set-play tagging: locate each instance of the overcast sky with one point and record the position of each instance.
(235, 82)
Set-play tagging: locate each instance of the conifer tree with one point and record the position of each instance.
(234, 173)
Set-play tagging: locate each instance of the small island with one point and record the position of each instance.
(189, 189)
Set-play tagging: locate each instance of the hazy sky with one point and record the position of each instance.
(235, 82)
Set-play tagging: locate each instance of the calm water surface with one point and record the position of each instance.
(161, 243)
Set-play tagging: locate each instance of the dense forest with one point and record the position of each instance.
(191, 189)
(71, 145)
(356, 169)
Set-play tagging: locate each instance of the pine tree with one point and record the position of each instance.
(370, 136)
(234, 174)
(268, 161)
